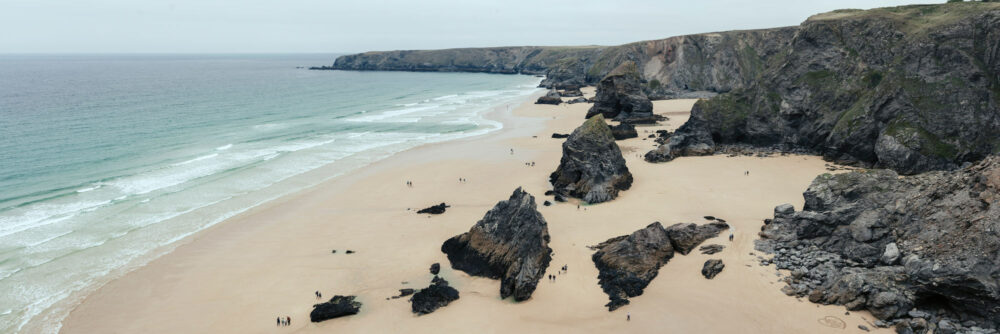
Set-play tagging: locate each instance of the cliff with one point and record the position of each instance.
(692, 65)
(912, 88)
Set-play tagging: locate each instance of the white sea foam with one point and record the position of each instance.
(224, 147)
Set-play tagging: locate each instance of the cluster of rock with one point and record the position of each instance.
(338, 306)
(620, 97)
(510, 243)
(626, 264)
(592, 167)
(911, 89)
(439, 294)
(921, 252)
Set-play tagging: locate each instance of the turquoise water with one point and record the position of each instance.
(104, 159)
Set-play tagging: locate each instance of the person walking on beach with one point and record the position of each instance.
(279, 322)
(288, 321)
(628, 316)
(730, 234)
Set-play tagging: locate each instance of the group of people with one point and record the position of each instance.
(319, 295)
(284, 321)
(531, 164)
(409, 184)
(747, 173)
(462, 180)
(562, 270)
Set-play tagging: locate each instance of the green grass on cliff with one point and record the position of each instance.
(929, 143)
(913, 19)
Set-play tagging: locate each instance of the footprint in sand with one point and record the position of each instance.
(832, 322)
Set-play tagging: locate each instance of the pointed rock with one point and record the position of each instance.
(510, 243)
(627, 264)
(592, 167)
(620, 97)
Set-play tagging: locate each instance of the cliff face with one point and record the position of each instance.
(912, 89)
(693, 65)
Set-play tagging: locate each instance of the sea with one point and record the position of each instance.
(108, 160)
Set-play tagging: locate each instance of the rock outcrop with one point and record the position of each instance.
(510, 243)
(685, 237)
(439, 294)
(624, 131)
(925, 246)
(592, 167)
(620, 97)
(626, 264)
(912, 89)
(338, 306)
(552, 97)
(711, 268)
(434, 209)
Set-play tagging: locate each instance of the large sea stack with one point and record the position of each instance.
(925, 246)
(510, 243)
(626, 264)
(592, 167)
(620, 97)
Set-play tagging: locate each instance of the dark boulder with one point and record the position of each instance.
(624, 131)
(711, 268)
(406, 292)
(510, 243)
(620, 97)
(560, 135)
(338, 306)
(433, 297)
(435, 210)
(685, 237)
(578, 100)
(547, 203)
(627, 264)
(592, 167)
(893, 245)
(435, 268)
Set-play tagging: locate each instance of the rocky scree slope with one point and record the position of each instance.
(925, 246)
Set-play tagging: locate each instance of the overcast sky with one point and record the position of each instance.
(288, 26)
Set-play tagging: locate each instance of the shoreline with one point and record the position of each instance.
(61, 309)
(277, 254)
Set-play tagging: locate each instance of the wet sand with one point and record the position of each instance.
(239, 275)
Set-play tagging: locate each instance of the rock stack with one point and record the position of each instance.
(510, 243)
(620, 97)
(592, 167)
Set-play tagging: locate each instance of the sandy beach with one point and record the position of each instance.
(239, 275)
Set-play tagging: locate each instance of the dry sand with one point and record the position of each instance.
(239, 275)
